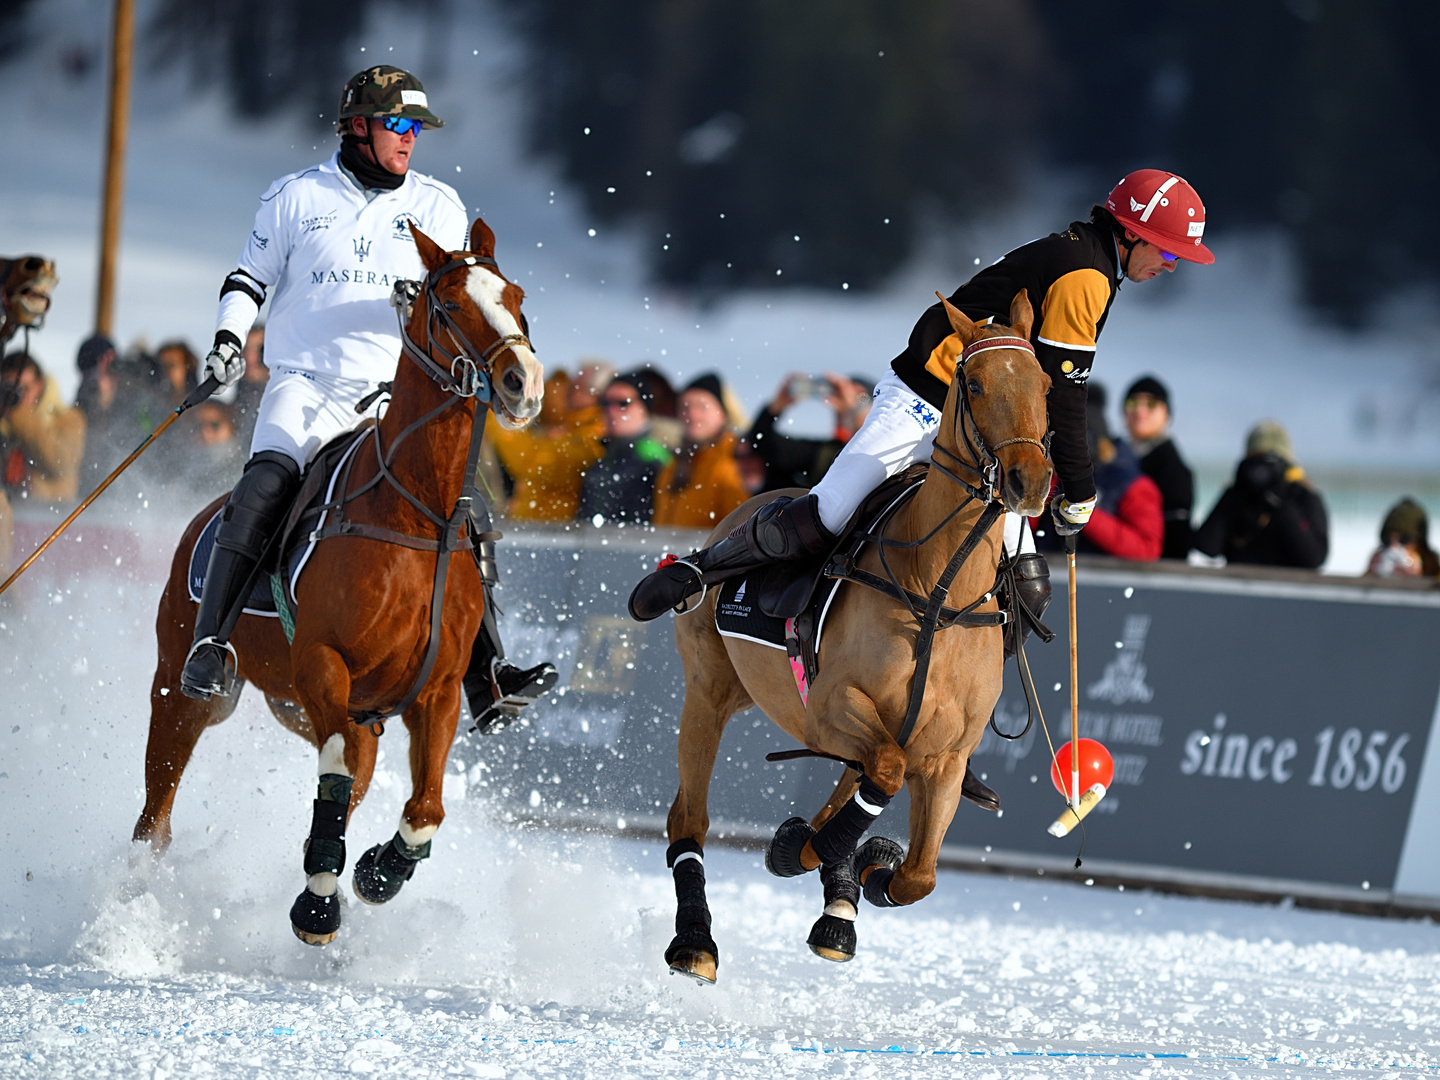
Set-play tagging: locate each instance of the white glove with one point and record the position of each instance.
(1070, 517)
(225, 360)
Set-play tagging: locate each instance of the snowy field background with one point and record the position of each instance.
(520, 952)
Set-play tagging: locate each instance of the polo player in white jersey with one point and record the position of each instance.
(331, 241)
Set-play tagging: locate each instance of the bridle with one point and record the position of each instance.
(463, 374)
(986, 461)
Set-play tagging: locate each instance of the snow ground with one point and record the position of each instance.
(520, 952)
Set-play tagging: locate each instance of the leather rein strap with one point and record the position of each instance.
(936, 615)
(468, 375)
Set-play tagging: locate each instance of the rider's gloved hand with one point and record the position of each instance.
(1070, 517)
(225, 360)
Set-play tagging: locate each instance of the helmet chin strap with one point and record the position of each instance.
(1129, 246)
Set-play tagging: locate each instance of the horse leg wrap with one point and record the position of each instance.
(325, 848)
(836, 840)
(692, 913)
(833, 935)
(782, 857)
(881, 857)
(381, 871)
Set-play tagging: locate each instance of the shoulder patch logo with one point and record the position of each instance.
(261, 242)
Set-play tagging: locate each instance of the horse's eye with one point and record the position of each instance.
(975, 387)
(450, 305)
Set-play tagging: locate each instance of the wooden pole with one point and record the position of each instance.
(121, 50)
(1074, 682)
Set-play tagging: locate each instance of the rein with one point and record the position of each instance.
(465, 375)
(986, 465)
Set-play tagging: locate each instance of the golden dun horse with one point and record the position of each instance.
(859, 701)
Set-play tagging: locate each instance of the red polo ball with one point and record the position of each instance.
(1096, 767)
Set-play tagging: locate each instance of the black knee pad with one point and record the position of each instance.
(258, 502)
(837, 838)
(789, 529)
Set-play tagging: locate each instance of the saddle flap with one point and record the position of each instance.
(784, 590)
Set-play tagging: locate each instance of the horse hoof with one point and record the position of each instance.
(380, 873)
(315, 919)
(695, 954)
(832, 938)
(875, 864)
(782, 857)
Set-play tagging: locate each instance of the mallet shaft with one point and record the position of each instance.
(1074, 683)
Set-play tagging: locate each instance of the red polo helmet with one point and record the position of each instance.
(1164, 210)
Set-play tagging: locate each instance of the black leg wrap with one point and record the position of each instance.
(782, 857)
(381, 871)
(833, 936)
(692, 913)
(325, 848)
(836, 840)
(882, 857)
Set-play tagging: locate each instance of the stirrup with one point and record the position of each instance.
(230, 674)
(685, 606)
(504, 709)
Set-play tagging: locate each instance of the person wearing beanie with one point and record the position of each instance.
(703, 483)
(1147, 418)
(1270, 515)
(619, 489)
(1405, 544)
(1127, 522)
(548, 459)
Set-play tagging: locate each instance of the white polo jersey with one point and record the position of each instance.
(329, 257)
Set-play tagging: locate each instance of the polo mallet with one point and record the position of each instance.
(1080, 803)
(199, 394)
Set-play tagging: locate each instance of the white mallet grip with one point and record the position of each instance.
(1070, 818)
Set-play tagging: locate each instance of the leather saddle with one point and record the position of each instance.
(785, 589)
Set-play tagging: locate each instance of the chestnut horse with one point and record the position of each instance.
(867, 663)
(363, 606)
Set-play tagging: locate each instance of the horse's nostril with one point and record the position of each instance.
(1015, 480)
(514, 382)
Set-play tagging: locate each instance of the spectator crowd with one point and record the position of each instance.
(628, 448)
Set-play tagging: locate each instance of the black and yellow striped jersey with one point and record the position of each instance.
(1071, 278)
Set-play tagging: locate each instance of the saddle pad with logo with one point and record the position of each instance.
(738, 614)
(262, 600)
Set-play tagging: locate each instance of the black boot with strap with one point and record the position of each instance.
(253, 512)
(780, 531)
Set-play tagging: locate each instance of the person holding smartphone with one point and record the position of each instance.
(799, 462)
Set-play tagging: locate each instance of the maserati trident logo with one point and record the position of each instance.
(362, 248)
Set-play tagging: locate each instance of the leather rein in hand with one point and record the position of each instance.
(466, 374)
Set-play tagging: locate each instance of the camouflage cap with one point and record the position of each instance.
(385, 91)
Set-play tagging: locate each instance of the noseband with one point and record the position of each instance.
(986, 460)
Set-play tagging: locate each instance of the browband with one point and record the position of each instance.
(986, 344)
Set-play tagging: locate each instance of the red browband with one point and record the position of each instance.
(986, 344)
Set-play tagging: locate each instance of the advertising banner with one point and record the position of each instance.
(1265, 727)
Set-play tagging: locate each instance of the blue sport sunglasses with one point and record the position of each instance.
(403, 125)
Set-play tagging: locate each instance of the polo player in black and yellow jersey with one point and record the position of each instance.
(1150, 221)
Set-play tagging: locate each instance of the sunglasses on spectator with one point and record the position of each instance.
(617, 403)
(403, 125)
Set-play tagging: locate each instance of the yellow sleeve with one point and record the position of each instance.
(944, 356)
(1072, 308)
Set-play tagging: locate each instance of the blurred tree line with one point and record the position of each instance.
(724, 131)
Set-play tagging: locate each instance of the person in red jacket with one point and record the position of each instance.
(1129, 519)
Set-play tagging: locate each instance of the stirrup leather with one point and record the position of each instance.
(686, 605)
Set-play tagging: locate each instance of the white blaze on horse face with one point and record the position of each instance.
(416, 837)
(487, 289)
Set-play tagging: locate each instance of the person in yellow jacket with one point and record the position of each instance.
(42, 439)
(548, 459)
(703, 483)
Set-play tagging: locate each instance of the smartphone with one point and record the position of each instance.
(808, 386)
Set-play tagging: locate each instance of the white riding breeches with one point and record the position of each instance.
(301, 411)
(899, 431)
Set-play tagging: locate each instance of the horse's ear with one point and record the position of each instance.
(482, 240)
(1022, 315)
(961, 323)
(431, 253)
